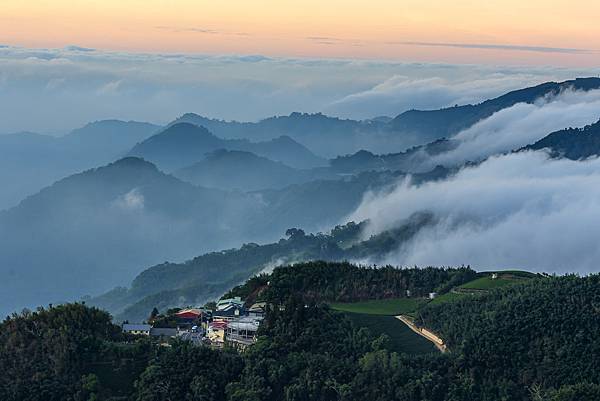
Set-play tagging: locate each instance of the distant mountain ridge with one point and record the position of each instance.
(330, 136)
(430, 125)
(183, 144)
(29, 162)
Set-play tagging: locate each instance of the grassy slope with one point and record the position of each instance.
(378, 317)
(402, 339)
(390, 307)
(483, 284)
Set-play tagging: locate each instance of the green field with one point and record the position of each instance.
(448, 297)
(389, 307)
(487, 283)
(402, 339)
(504, 278)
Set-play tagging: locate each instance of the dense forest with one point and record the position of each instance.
(531, 341)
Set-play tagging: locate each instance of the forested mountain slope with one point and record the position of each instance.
(572, 143)
(207, 276)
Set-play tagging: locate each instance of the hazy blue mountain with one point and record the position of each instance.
(109, 139)
(239, 170)
(420, 126)
(29, 162)
(407, 161)
(330, 136)
(571, 143)
(92, 230)
(324, 135)
(180, 145)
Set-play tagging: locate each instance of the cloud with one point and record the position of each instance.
(79, 49)
(519, 210)
(401, 93)
(209, 31)
(520, 125)
(539, 49)
(131, 201)
(327, 40)
(160, 87)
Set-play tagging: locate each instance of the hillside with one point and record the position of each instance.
(245, 171)
(29, 162)
(572, 143)
(183, 144)
(524, 342)
(197, 280)
(93, 230)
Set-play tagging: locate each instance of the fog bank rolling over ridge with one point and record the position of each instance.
(522, 124)
(519, 210)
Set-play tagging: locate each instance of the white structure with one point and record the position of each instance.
(242, 331)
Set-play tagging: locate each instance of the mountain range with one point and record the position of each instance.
(29, 161)
(176, 192)
(181, 145)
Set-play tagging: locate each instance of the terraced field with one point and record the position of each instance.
(389, 307)
(402, 338)
(378, 317)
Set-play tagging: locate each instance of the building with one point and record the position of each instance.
(216, 333)
(189, 315)
(228, 302)
(137, 329)
(432, 295)
(242, 332)
(165, 332)
(230, 312)
(257, 310)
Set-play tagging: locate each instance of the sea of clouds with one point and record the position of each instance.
(56, 90)
(519, 210)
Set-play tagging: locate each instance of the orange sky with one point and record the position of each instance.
(317, 28)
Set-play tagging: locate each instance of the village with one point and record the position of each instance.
(226, 323)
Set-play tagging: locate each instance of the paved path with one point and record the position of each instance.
(437, 341)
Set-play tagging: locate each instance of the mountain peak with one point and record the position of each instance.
(133, 162)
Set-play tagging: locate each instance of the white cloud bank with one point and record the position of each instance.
(521, 125)
(513, 211)
(56, 90)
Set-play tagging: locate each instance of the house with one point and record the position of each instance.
(228, 302)
(230, 312)
(164, 332)
(257, 310)
(216, 333)
(189, 315)
(137, 329)
(432, 295)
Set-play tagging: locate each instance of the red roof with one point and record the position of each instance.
(219, 325)
(188, 314)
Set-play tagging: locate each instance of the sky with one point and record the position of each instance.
(541, 32)
(65, 63)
